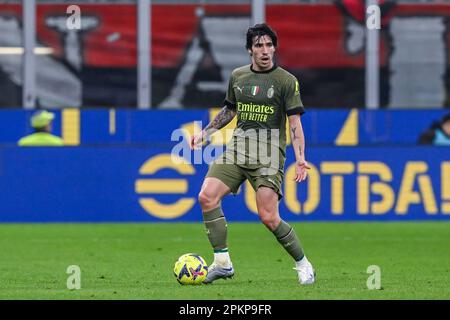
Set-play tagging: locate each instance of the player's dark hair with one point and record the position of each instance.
(259, 30)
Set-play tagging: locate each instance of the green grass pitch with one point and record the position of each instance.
(135, 261)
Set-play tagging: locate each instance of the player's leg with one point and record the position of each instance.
(220, 180)
(267, 203)
(210, 196)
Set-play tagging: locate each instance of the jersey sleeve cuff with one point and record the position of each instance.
(229, 105)
(296, 110)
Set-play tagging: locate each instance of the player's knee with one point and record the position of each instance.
(207, 200)
(203, 198)
(270, 219)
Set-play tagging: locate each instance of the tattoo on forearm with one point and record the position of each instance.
(294, 137)
(222, 119)
(293, 133)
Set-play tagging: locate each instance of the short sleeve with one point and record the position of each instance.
(292, 101)
(230, 99)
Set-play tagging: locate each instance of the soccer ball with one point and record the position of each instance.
(190, 268)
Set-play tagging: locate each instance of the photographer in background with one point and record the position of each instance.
(41, 121)
(438, 134)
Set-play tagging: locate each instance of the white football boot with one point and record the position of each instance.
(305, 271)
(217, 272)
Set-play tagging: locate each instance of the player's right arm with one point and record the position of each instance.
(223, 118)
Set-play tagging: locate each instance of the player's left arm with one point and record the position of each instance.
(298, 143)
(294, 109)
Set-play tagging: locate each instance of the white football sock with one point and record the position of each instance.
(222, 259)
(301, 262)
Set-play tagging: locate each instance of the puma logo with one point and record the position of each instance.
(240, 89)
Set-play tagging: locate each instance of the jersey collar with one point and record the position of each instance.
(265, 71)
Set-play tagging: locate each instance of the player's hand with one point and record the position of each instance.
(301, 172)
(197, 140)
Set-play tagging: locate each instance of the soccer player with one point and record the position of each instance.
(262, 95)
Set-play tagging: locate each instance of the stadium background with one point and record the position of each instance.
(89, 77)
(367, 166)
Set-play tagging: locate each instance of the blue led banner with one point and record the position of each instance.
(124, 126)
(107, 184)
